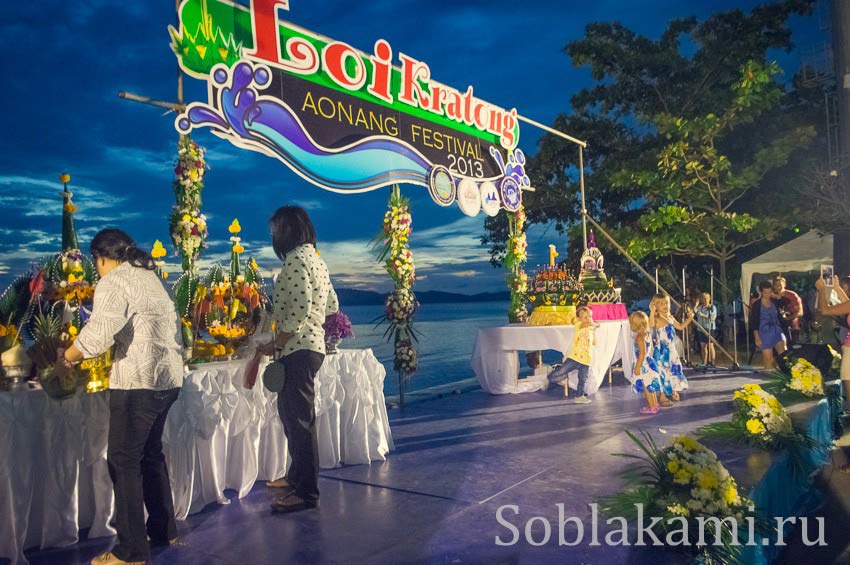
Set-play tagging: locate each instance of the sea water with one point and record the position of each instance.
(446, 333)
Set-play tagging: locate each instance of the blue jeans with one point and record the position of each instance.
(570, 365)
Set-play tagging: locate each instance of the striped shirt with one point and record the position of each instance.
(133, 311)
(303, 296)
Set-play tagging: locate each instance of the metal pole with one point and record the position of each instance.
(551, 130)
(656, 280)
(583, 205)
(179, 71)
(735, 335)
(711, 293)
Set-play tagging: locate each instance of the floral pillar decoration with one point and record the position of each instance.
(517, 253)
(401, 304)
(188, 227)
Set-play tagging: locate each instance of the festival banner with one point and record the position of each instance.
(342, 119)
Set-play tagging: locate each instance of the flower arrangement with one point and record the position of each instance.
(188, 227)
(798, 378)
(760, 420)
(337, 326)
(229, 304)
(515, 257)
(680, 484)
(401, 304)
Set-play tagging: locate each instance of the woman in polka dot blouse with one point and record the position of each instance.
(303, 296)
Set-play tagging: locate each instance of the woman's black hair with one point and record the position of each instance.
(113, 243)
(290, 227)
(764, 285)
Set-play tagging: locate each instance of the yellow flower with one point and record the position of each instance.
(69, 208)
(730, 494)
(73, 331)
(672, 466)
(64, 177)
(158, 251)
(3, 330)
(187, 218)
(708, 480)
(165, 274)
(682, 477)
(234, 227)
(752, 387)
(688, 443)
(755, 401)
(238, 248)
(755, 427)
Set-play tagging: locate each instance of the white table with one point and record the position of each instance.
(219, 435)
(495, 361)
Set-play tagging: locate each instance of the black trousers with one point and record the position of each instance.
(138, 471)
(296, 406)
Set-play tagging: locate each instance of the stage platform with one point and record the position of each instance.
(458, 459)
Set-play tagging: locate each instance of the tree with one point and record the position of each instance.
(688, 72)
(692, 190)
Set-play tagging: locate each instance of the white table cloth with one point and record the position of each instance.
(219, 435)
(496, 365)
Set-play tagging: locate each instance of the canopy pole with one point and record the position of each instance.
(583, 204)
(551, 130)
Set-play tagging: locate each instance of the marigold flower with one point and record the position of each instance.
(64, 177)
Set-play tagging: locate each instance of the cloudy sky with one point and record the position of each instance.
(64, 62)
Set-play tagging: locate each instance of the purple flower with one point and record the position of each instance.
(337, 326)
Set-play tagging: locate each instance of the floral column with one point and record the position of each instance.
(514, 260)
(401, 304)
(188, 227)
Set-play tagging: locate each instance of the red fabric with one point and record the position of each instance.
(609, 312)
(252, 369)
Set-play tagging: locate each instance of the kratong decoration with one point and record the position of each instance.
(598, 289)
(515, 257)
(682, 484)
(401, 304)
(158, 252)
(229, 304)
(554, 294)
(188, 228)
(60, 296)
(15, 312)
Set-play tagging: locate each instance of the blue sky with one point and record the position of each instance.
(64, 62)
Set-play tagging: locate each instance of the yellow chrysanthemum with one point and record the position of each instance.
(238, 248)
(708, 480)
(688, 443)
(73, 331)
(64, 177)
(187, 218)
(165, 274)
(234, 226)
(672, 466)
(755, 427)
(682, 477)
(730, 494)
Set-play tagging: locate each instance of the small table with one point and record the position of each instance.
(496, 363)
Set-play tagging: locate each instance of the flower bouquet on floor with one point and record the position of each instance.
(681, 484)
(760, 420)
(802, 372)
(337, 327)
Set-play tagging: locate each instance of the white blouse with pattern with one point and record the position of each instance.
(303, 296)
(133, 311)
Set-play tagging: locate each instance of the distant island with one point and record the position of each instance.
(353, 297)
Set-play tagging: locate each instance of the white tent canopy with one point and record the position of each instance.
(806, 253)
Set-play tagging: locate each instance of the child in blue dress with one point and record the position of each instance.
(663, 327)
(646, 378)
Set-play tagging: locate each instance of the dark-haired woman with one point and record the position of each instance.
(768, 326)
(133, 312)
(303, 296)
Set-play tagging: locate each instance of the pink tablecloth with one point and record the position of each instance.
(609, 312)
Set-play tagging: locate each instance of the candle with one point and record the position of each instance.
(552, 255)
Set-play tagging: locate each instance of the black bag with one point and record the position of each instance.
(274, 376)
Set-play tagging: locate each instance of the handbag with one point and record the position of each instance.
(274, 376)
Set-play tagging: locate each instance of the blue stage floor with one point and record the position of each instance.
(457, 460)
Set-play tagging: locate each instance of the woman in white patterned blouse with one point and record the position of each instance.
(303, 296)
(133, 311)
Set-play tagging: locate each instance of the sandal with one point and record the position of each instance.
(647, 411)
(675, 397)
(666, 404)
